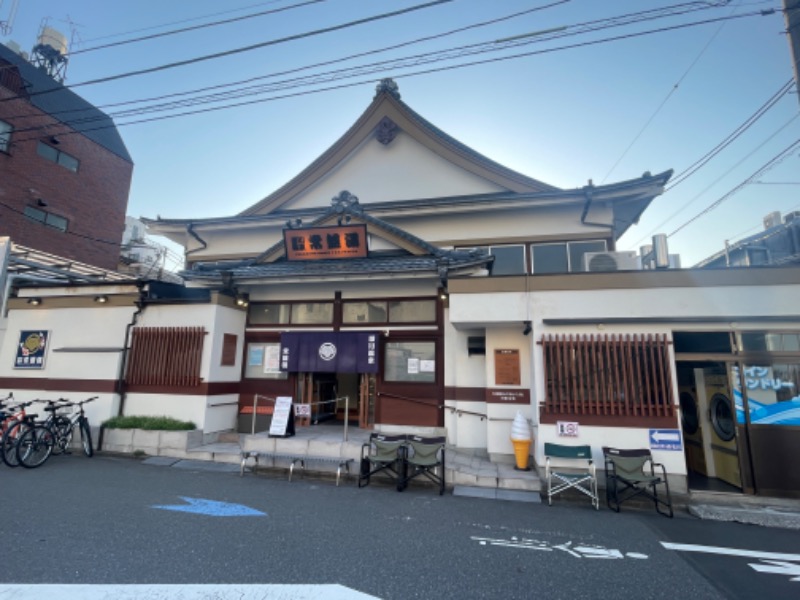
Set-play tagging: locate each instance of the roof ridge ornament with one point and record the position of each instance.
(346, 202)
(386, 131)
(388, 86)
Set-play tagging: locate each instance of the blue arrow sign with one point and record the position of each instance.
(665, 439)
(212, 508)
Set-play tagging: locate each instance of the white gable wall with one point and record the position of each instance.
(402, 170)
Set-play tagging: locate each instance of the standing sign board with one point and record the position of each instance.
(282, 424)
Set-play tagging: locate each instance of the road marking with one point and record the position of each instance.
(181, 592)
(212, 508)
(578, 551)
(777, 563)
(730, 551)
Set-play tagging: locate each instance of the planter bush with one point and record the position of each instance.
(149, 423)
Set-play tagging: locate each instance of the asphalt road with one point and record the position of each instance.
(116, 520)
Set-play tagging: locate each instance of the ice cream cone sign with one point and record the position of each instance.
(521, 438)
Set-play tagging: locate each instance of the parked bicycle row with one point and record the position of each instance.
(29, 440)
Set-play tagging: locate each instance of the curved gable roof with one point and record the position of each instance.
(387, 105)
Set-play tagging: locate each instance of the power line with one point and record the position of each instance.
(181, 22)
(694, 167)
(763, 169)
(382, 66)
(666, 99)
(195, 27)
(299, 36)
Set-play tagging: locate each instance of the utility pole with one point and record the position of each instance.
(791, 12)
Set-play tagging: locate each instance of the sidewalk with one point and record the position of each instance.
(471, 473)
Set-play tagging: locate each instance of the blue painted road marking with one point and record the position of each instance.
(212, 508)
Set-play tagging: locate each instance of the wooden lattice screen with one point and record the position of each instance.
(165, 356)
(608, 375)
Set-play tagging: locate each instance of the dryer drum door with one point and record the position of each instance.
(722, 417)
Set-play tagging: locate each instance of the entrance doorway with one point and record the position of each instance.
(712, 440)
(337, 397)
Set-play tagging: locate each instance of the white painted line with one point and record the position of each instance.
(182, 592)
(730, 551)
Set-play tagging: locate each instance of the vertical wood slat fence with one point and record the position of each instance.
(167, 356)
(608, 375)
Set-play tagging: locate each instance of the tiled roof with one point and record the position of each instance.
(66, 106)
(386, 265)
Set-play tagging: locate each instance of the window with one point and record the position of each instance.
(57, 156)
(5, 135)
(563, 257)
(269, 314)
(410, 361)
(508, 260)
(312, 313)
(264, 361)
(607, 375)
(412, 311)
(166, 356)
(46, 218)
(364, 312)
(770, 342)
(302, 313)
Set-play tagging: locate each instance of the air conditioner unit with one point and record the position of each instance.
(610, 261)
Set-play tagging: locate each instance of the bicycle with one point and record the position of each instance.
(17, 425)
(64, 428)
(54, 434)
(14, 425)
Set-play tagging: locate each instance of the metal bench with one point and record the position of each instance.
(294, 459)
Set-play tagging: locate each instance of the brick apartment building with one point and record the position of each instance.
(65, 173)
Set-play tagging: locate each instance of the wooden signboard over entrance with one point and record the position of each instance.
(282, 424)
(506, 367)
(317, 243)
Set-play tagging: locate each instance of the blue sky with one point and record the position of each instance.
(601, 111)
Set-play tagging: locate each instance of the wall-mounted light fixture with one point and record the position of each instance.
(40, 202)
(242, 300)
(528, 328)
(34, 301)
(55, 140)
(101, 299)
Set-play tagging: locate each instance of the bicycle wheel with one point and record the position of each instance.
(86, 438)
(35, 446)
(9, 442)
(62, 428)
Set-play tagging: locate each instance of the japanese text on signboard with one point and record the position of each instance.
(326, 242)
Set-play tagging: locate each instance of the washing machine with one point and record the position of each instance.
(692, 428)
(722, 426)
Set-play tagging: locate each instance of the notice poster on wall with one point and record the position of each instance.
(255, 358)
(506, 367)
(272, 358)
(282, 424)
(413, 366)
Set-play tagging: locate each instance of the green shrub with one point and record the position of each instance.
(151, 423)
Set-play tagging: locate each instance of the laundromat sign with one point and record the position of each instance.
(318, 243)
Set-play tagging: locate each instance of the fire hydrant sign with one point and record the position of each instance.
(282, 424)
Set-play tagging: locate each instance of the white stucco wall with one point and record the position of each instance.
(405, 170)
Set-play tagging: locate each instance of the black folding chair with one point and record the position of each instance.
(632, 473)
(423, 456)
(381, 454)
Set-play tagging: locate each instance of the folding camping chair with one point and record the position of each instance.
(631, 473)
(423, 456)
(381, 454)
(581, 476)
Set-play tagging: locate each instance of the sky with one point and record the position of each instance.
(564, 91)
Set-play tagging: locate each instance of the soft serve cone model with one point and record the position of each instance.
(521, 438)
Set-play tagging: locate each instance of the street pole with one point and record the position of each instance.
(791, 12)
